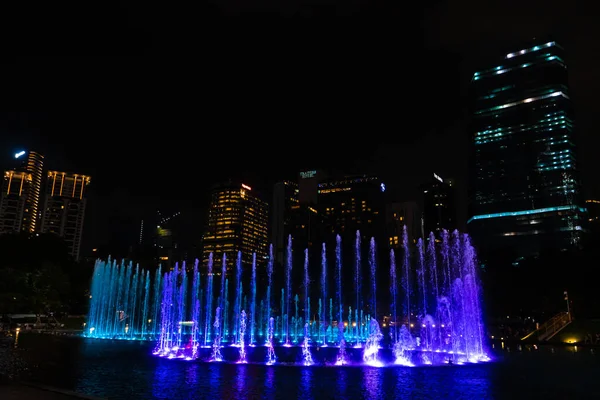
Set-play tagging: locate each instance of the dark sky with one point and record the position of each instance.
(158, 101)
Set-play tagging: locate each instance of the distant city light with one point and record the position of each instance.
(308, 174)
(19, 154)
(382, 187)
(246, 187)
(436, 176)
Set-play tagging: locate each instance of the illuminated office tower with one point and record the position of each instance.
(525, 189)
(439, 211)
(21, 191)
(237, 221)
(353, 203)
(64, 208)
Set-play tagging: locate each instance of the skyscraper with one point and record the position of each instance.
(64, 208)
(285, 201)
(398, 215)
(237, 221)
(353, 203)
(21, 191)
(525, 189)
(439, 211)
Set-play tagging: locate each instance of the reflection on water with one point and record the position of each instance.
(371, 382)
(306, 388)
(126, 370)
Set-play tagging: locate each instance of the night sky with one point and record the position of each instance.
(157, 102)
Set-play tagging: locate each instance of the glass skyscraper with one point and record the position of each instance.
(525, 190)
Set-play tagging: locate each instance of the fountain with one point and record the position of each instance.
(216, 347)
(270, 345)
(288, 290)
(323, 299)
(434, 309)
(269, 288)
(253, 300)
(242, 334)
(209, 296)
(370, 355)
(307, 357)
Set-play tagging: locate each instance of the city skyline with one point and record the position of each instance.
(148, 145)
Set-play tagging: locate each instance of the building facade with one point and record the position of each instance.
(398, 215)
(525, 192)
(237, 221)
(285, 203)
(64, 208)
(21, 193)
(353, 203)
(439, 206)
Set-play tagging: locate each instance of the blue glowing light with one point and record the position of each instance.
(19, 154)
(518, 213)
(382, 187)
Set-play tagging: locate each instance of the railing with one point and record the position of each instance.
(551, 327)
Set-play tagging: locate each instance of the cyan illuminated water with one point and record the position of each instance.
(127, 370)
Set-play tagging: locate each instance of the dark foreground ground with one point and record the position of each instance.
(20, 391)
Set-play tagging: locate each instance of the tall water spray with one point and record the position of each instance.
(242, 342)
(270, 345)
(434, 285)
(195, 303)
(209, 297)
(323, 299)
(394, 296)
(288, 289)
(371, 352)
(237, 305)
(306, 295)
(269, 289)
(306, 355)
(216, 348)
(357, 279)
(373, 268)
(428, 323)
(253, 301)
(406, 282)
(222, 298)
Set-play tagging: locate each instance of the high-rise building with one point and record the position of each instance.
(353, 203)
(237, 221)
(525, 189)
(21, 191)
(398, 215)
(439, 211)
(64, 208)
(285, 203)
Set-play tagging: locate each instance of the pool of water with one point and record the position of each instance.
(127, 370)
